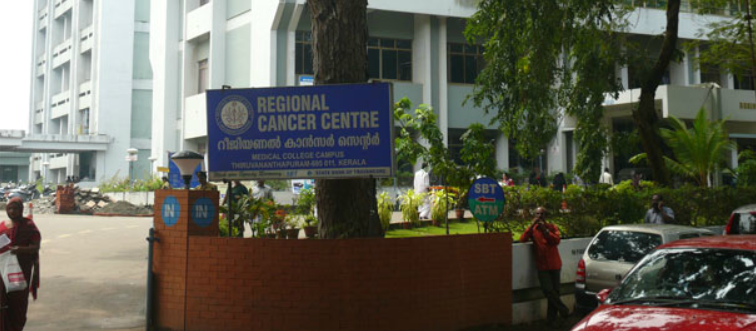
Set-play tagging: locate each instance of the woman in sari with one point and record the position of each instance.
(24, 243)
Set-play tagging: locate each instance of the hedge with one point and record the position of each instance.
(590, 209)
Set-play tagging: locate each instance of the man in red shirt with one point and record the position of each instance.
(546, 239)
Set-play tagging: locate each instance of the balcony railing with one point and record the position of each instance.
(86, 39)
(41, 62)
(61, 53)
(733, 8)
(60, 104)
(43, 17)
(85, 95)
(62, 6)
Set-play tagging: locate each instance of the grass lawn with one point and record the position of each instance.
(454, 228)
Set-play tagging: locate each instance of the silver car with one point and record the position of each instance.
(614, 251)
(742, 221)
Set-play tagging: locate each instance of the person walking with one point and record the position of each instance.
(24, 242)
(559, 182)
(545, 237)
(237, 191)
(659, 213)
(262, 191)
(606, 177)
(506, 180)
(422, 186)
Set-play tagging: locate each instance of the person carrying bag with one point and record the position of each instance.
(19, 257)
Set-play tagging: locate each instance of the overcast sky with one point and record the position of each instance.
(16, 22)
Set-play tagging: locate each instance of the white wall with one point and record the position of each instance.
(113, 82)
(165, 60)
(524, 276)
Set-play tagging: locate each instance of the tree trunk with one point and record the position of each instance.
(347, 208)
(645, 116)
(748, 19)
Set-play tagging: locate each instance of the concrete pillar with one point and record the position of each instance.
(443, 86)
(422, 67)
(291, 39)
(502, 152)
(164, 56)
(217, 55)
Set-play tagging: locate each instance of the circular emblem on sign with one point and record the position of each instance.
(170, 211)
(486, 199)
(203, 212)
(234, 115)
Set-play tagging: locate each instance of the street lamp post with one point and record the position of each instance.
(45, 166)
(187, 161)
(131, 157)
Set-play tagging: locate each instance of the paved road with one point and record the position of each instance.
(93, 273)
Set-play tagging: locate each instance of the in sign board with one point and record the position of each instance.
(486, 199)
(324, 131)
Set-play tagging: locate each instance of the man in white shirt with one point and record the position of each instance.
(262, 191)
(421, 186)
(606, 177)
(659, 213)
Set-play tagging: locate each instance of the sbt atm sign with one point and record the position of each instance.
(486, 199)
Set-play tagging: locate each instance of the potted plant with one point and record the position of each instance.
(311, 226)
(459, 206)
(441, 202)
(278, 223)
(294, 223)
(410, 202)
(385, 210)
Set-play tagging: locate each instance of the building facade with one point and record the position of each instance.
(91, 81)
(204, 44)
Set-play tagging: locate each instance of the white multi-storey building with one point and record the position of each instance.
(91, 90)
(420, 47)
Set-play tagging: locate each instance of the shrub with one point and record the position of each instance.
(385, 209)
(588, 210)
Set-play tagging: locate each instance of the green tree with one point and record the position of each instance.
(346, 207)
(477, 151)
(729, 44)
(746, 171)
(420, 138)
(547, 55)
(699, 150)
(542, 56)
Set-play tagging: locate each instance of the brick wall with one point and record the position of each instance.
(436, 283)
(170, 253)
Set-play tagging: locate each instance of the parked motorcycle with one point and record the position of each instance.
(25, 193)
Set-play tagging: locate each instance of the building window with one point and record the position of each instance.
(456, 143)
(744, 82)
(202, 76)
(84, 121)
(303, 52)
(636, 74)
(465, 62)
(390, 59)
(710, 74)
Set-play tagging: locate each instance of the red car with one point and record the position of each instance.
(706, 283)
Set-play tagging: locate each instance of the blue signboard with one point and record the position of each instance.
(324, 131)
(486, 199)
(203, 212)
(174, 175)
(170, 210)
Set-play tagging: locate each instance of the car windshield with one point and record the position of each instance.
(623, 246)
(694, 275)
